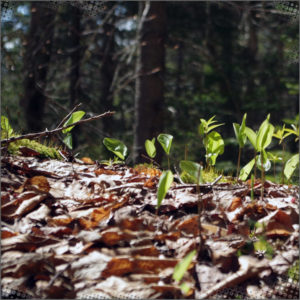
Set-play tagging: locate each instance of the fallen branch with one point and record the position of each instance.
(56, 130)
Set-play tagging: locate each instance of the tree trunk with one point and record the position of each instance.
(107, 73)
(36, 64)
(149, 97)
(74, 89)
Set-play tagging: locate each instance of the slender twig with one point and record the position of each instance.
(56, 130)
(68, 115)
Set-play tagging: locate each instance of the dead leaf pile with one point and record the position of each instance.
(78, 230)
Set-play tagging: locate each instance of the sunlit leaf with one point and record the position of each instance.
(150, 148)
(214, 145)
(263, 246)
(246, 170)
(166, 141)
(116, 146)
(264, 135)
(239, 131)
(6, 126)
(263, 161)
(68, 141)
(291, 166)
(75, 117)
(164, 184)
(183, 266)
(194, 170)
(185, 288)
(252, 136)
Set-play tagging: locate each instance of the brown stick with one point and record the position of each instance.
(56, 130)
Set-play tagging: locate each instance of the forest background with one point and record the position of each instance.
(161, 66)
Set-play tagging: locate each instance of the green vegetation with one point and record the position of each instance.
(165, 181)
(14, 148)
(116, 147)
(75, 117)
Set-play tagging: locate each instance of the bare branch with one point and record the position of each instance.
(56, 130)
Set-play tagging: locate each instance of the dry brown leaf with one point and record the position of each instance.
(7, 234)
(87, 161)
(39, 183)
(236, 202)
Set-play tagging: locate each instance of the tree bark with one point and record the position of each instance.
(36, 64)
(107, 72)
(149, 97)
(75, 56)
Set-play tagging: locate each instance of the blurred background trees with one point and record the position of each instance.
(160, 65)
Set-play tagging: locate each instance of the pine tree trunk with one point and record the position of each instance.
(149, 97)
(36, 64)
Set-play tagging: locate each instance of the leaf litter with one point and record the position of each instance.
(85, 229)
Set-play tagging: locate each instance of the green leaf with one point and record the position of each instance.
(68, 141)
(214, 145)
(252, 136)
(75, 117)
(166, 141)
(185, 288)
(150, 148)
(165, 181)
(6, 126)
(183, 266)
(264, 135)
(264, 246)
(116, 146)
(263, 158)
(273, 157)
(246, 170)
(194, 170)
(291, 166)
(239, 131)
(210, 128)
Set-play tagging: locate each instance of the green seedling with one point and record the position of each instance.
(291, 166)
(165, 141)
(239, 131)
(275, 159)
(263, 247)
(181, 268)
(150, 148)
(206, 126)
(116, 147)
(214, 145)
(192, 170)
(165, 182)
(294, 130)
(260, 141)
(212, 140)
(75, 117)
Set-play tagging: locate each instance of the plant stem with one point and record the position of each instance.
(252, 186)
(238, 163)
(262, 178)
(168, 162)
(201, 245)
(283, 156)
(254, 164)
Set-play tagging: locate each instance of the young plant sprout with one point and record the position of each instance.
(165, 141)
(75, 117)
(116, 147)
(165, 182)
(212, 140)
(239, 131)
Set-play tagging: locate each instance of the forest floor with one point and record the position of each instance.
(88, 230)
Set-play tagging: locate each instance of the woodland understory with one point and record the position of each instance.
(85, 229)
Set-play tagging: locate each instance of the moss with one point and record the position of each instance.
(44, 150)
